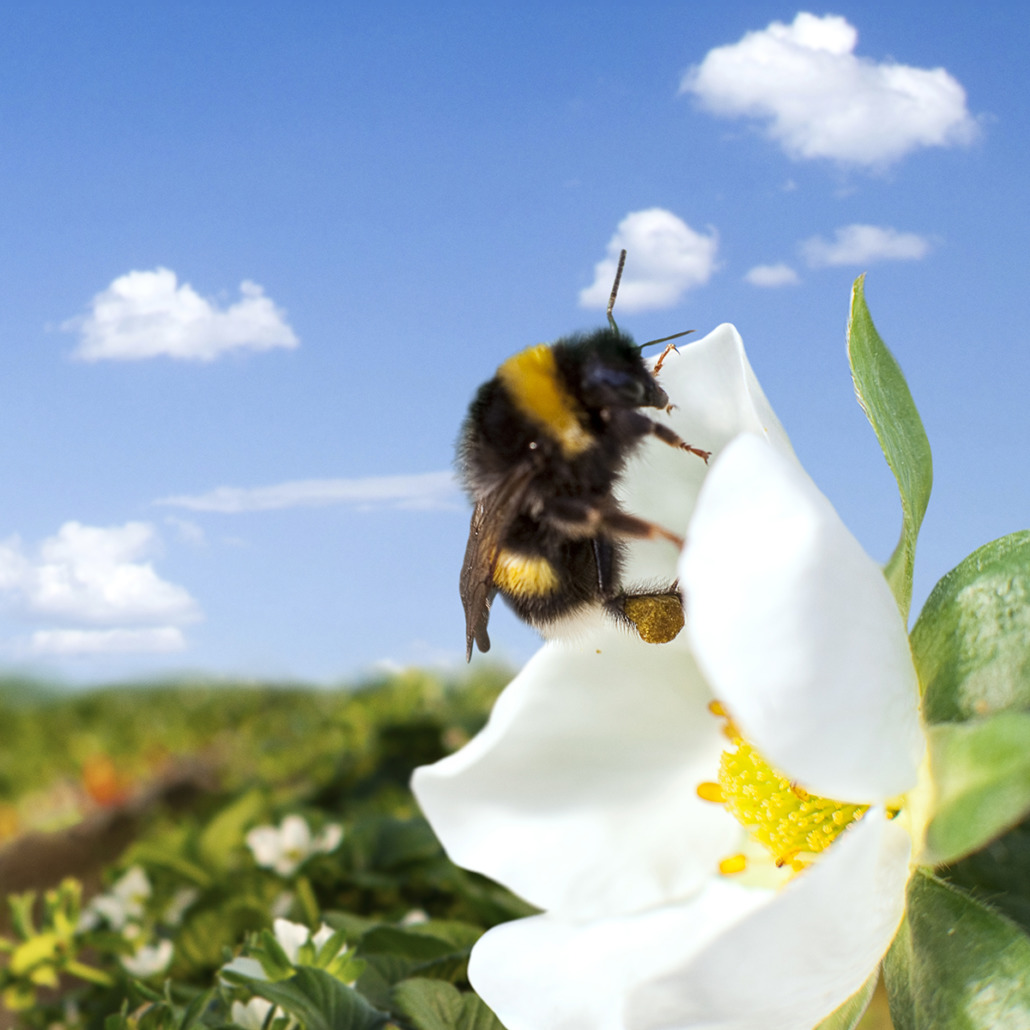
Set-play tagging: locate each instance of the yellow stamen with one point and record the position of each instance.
(733, 864)
(792, 824)
(711, 792)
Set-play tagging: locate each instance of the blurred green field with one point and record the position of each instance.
(167, 779)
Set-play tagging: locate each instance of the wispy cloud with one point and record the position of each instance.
(863, 245)
(149, 314)
(77, 643)
(424, 490)
(771, 276)
(666, 258)
(818, 100)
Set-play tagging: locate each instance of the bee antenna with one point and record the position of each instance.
(666, 339)
(615, 291)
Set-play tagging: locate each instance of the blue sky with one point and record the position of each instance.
(256, 258)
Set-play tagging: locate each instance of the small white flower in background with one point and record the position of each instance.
(180, 902)
(149, 960)
(122, 904)
(299, 945)
(604, 789)
(284, 849)
(415, 917)
(254, 1014)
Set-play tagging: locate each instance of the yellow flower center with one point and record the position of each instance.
(791, 824)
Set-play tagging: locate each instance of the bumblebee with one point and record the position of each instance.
(540, 453)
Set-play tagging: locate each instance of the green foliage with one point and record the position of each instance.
(847, 1016)
(956, 963)
(392, 908)
(887, 402)
(962, 956)
(981, 775)
(971, 642)
(434, 1005)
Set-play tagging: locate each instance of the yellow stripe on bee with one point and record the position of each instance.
(523, 575)
(531, 379)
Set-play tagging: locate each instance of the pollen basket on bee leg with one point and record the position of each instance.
(657, 617)
(532, 382)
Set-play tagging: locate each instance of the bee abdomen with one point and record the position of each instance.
(523, 575)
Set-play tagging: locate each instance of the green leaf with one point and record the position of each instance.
(956, 963)
(981, 777)
(1000, 872)
(887, 402)
(397, 954)
(846, 1016)
(971, 642)
(434, 1005)
(226, 831)
(319, 1001)
(429, 1004)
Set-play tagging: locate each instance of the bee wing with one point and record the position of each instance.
(491, 518)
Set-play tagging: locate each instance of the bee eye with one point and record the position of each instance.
(604, 385)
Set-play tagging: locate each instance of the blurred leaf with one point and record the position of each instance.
(320, 1001)
(433, 1005)
(971, 642)
(399, 954)
(956, 963)
(981, 776)
(887, 402)
(385, 843)
(225, 832)
(999, 872)
(846, 1016)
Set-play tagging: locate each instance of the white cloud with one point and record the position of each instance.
(94, 575)
(422, 491)
(69, 643)
(821, 101)
(864, 244)
(665, 258)
(772, 275)
(147, 314)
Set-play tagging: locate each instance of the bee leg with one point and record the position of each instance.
(620, 524)
(661, 357)
(666, 435)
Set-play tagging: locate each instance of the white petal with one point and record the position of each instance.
(545, 973)
(245, 966)
(792, 962)
(731, 958)
(265, 844)
(149, 960)
(290, 937)
(581, 792)
(797, 631)
(716, 397)
(329, 839)
(295, 834)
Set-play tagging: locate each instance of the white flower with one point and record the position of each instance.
(149, 960)
(286, 848)
(581, 794)
(291, 937)
(122, 904)
(254, 1014)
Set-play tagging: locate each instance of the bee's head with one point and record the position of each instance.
(612, 373)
